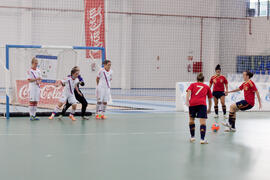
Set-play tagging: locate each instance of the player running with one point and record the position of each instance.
(196, 101)
(103, 91)
(219, 82)
(34, 79)
(70, 83)
(79, 96)
(250, 90)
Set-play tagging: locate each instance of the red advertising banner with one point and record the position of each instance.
(49, 93)
(94, 27)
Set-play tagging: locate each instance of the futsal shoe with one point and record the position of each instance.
(71, 116)
(204, 141)
(85, 118)
(32, 118)
(103, 117)
(192, 139)
(52, 116)
(226, 124)
(36, 118)
(225, 117)
(60, 117)
(230, 130)
(216, 116)
(98, 116)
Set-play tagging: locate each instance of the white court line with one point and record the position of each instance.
(107, 134)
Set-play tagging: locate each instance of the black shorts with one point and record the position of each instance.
(243, 105)
(199, 111)
(218, 94)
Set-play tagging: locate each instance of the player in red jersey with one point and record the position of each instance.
(250, 90)
(196, 101)
(219, 81)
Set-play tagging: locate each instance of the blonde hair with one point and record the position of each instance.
(33, 60)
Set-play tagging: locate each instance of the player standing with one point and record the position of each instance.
(196, 101)
(103, 91)
(250, 90)
(79, 96)
(34, 79)
(69, 83)
(219, 82)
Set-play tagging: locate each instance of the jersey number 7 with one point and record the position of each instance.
(201, 87)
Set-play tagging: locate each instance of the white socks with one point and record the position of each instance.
(103, 108)
(32, 110)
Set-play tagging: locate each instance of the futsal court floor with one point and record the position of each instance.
(133, 146)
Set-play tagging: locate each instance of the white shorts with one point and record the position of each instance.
(68, 98)
(103, 94)
(34, 93)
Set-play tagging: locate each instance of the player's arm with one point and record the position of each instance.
(236, 90)
(77, 89)
(226, 87)
(97, 80)
(210, 96)
(188, 97)
(259, 99)
(209, 105)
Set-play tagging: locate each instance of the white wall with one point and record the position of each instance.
(134, 42)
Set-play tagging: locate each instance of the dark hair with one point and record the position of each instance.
(200, 77)
(218, 67)
(73, 71)
(249, 74)
(106, 62)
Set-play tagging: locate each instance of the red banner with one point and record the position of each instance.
(94, 27)
(49, 93)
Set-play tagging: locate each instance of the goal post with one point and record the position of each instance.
(17, 63)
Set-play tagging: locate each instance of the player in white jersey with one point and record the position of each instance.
(103, 91)
(34, 79)
(70, 83)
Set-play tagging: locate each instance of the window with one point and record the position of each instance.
(261, 7)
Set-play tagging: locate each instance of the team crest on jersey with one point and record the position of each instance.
(221, 80)
(246, 88)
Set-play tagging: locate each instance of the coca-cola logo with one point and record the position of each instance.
(49, 92)
(24, 92)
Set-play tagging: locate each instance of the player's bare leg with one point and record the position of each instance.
(216, 107)
(104, 107)
(72, 113)
(203, 131)
(232, 117)
(98, 110)
(192, 129)
(56, 110)
(222, 100)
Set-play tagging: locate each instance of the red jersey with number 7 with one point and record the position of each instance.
(199, 91)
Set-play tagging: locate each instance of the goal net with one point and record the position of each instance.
(55, 63)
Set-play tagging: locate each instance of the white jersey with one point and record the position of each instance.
(105, 78)
(70, 85)
(33, 74)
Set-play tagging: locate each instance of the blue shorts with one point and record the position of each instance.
(218, 94)
(199, 111)
(243, 105)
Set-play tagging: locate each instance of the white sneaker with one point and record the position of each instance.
(204, 141)
(60, 117)
(192, 139)
(216, 116)
(225, 117)
(226, 124)
(230, 130)
(85, 118)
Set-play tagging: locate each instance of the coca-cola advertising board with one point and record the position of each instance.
(94, 27)
(49, 93)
